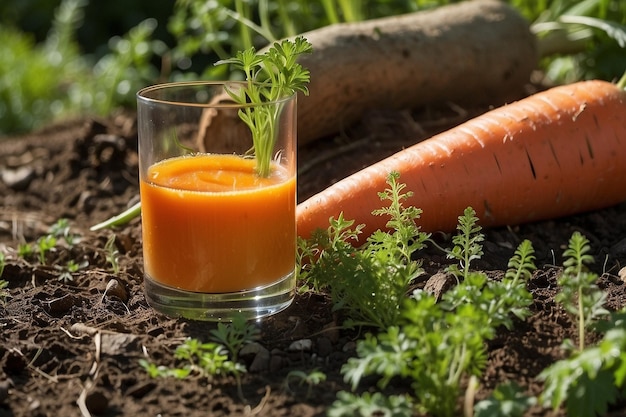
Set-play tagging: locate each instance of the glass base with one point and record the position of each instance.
(251, 304)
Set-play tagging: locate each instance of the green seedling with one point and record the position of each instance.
(499, 300)
(160, 371)
(204, 359)
(269, 77)
(45, 244)
(61, 230)
(24, 250)
(506, 400)
(368, 405)
(590, 380)
(112, 253)
(235, 335)
(207, 359)
(467, 244)
(366, 283)
(434, 350)
(309, 379)
(70, 268)
(579, 295)
(211, 358)
(3, 292)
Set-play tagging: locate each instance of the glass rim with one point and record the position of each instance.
(143, 95)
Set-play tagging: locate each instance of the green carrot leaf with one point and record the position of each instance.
(467, 243)
(270, 77)
(580, 295)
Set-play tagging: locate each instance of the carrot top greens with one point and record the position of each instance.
(270, 77)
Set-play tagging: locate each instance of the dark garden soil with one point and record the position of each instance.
(70, 343)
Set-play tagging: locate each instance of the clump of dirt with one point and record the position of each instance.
(71, 340)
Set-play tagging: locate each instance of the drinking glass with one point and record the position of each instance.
(218, 226)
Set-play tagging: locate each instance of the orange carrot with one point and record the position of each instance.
(556, 153)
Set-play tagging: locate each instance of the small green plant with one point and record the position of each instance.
(208, 359)
(370, 282)
(467, 244)
(112, 253)
(499, 300)
(370, 404)
(309, 379)
(435, 345)
(58, 233)
(434, 349)
(270, 77)
(593, 378)
(579, 295)
(24, 250)
(70, 268)
(160, 371)
(211, 358)
(506, 400)
(45, 244)
(235, 335)
(205, 359)
(61, 230)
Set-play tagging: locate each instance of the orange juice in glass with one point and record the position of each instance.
(219, 238)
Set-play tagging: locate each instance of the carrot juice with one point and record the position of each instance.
(212, 225)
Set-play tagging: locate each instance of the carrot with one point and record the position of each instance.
(409, 60)
(556, 153)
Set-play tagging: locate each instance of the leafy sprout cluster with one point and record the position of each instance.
(270, 77)
(61, 237)
(434, 345)
(368, 283)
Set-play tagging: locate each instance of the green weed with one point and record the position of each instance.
(588, 381)
(112, 254)
(204, 359)
(310, 379)
(368, 283)
(580, 295)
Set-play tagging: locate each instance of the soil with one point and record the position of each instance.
(71, 342)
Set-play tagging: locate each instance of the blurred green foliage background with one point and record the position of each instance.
(70, 57)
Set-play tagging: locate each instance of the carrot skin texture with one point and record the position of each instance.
(553, 154)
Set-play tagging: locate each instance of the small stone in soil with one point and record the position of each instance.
(115, 289)
(261, 361)
(96, 402)
(302, 345)
(118, 343)
(18, 179)
(251, 349)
